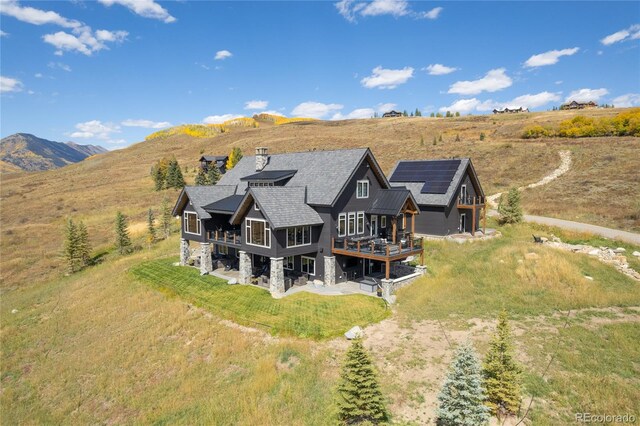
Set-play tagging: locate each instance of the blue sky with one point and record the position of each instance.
(109, 72)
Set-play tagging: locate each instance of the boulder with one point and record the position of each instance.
(544, 239)
(232, 281)
(588, 277)
(355, 333)
(620, 250)
(594, 252)
(636, 253)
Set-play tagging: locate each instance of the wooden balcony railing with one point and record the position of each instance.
(226, 237)
(377, 248)
(469, 201)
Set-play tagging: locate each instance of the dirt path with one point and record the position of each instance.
(614, 234)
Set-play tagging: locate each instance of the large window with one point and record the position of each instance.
(360, 222)
(288, 263)
(363, 189)
(309, 265)
(342, 224)
(298, 236)
(191, 223)
(383, 222)
(258, 233)
(351, 224)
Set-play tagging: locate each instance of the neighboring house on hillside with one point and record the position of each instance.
(510, 110)
(218, 160)
(448, 193)
(579, 105)
(392, 113)
(330, 216)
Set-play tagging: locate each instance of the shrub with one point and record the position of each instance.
(510, 209)
(482, 136)
(536, 131)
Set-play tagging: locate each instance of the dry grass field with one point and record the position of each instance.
(602, 188)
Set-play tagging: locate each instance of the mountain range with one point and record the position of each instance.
(23, 151)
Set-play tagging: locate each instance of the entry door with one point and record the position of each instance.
(374, 225)
(463, 222)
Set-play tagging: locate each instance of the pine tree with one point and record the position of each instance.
(174, 175)
(435, 141)
(501, 371)
(359, 398)
(482, 136)
(457, 138)
(421, 140)
(510, 209)
(84, 247)
(432, 115)
(201, 178)
(166, 218)
(151, 228)
(418, 113)
(234, 157)
(158, 177)
(457, 113)
(71, 255)
(462, 395)
(404, 113)
(213, 175)
(123, 242)
(440, 138)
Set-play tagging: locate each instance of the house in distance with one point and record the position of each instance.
(578, 105)
(392, 113)
(219, 160)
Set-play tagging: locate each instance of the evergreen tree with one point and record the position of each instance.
(123, 242)
(70, 252)
(404, 113)
(158, 177)
(510, 209)
(84, 247)
(166, 218)
(421, 140)
(435, 141)
(234, 157)
(457, 138)
(213, 175)
(411, 114)
(151, 228)
(482, 136)
(174, 175)
(501, 372)
(440, 138)
(439, 115)
(359, 397)
(418, 113)
(432, 115)
(457, 113)
(462, 395)
(448, 114)
(201, 178)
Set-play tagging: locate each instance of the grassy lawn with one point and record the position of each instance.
(481, 278)
(302, 314)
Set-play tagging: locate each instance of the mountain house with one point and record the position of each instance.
(219, 160)
(447, 192)
(392, 113)
(281, 220)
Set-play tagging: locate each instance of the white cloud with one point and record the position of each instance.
(38, 75)
(493, 81)
(383, 78)
(586, 95)
(95, 129)
(223, 54)
(386, 107)
(467, 105)
(65, 41)
(271, 112)
(534, 101)
(144, 8)
(315, 109)
(217, 119)
(525, 101)
(549, 58)
(631, 33)
(147, 124)
(3, 34)
(255, 104)
(113, 36)
(356, 113)
(8, 84)
(628, 100)
(83, 40)
(432, 14)
(351, 9)
(439, 69)
(58, 65)
(35, 16)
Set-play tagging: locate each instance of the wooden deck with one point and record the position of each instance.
(227, 238)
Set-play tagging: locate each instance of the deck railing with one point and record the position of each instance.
(470, 201)
(377, 247)
(229, 237)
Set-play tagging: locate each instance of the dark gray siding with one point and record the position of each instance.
(188, 236)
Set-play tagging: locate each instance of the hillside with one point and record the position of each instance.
(31, 153)
(602, 187)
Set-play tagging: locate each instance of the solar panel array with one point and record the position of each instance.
(436, 175)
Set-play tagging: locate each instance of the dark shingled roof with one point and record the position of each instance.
(390, 201)
(201, 196)
(270, 175)
(225, 206)
(213, 157)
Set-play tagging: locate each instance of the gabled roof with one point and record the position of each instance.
(442, 199)
(282, 206)
(270, 175)
(200, 196)
(323, 173)
(213, 157)
(391, 201)
(224, 206)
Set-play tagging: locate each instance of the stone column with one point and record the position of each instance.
(387, 288)
(421, 269)
(329, 270)
(276, 278)
(244, 268)
(184, 252)
(206, 263)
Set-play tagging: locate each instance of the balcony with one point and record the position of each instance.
(230, 238)
(378, 248)
(468, 202)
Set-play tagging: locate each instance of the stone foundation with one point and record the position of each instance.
(184, 252)
(276, 278)
(206, 263)
(244, 268)
(329, 270)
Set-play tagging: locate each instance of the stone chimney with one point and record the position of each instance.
(262, 158)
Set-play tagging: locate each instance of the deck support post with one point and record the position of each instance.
(276, 277)
(394, 228)
(329, 270)
(387, 269)
(484, 218)
(413, 224)
(473, 218)
(245, 267)
(206, 262)
(184, 252)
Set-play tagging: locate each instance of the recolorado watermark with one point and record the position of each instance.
(605, 418)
